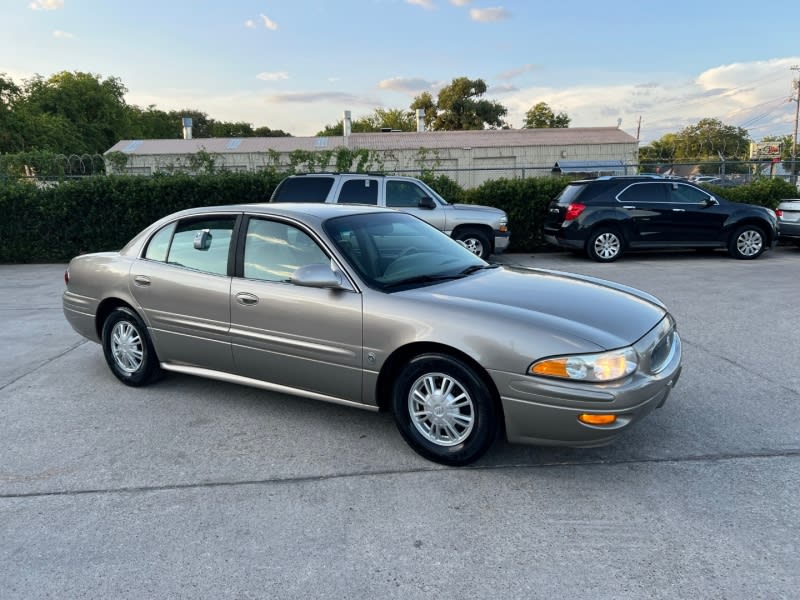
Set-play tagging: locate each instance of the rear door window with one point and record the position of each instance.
(202, 245)
(303, 189)
(359, 191)
(637, 193)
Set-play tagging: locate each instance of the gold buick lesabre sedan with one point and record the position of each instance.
(376, 309)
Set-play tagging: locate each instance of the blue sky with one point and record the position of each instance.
(297, 65)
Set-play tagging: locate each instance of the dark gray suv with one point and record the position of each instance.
(606, 216)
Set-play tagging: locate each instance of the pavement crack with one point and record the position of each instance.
(711, 458)
(43, 364)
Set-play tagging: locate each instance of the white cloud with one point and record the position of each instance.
(65, 35)
(313, 97)
(406, 84)
(460, 2)
(46, 4)
(512, 73)
(269, 23)
(487, 15)
(275, 76)
(751, 95)
(250, 24)
(426, 4)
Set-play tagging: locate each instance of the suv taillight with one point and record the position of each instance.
(573, 210)
(778, 212)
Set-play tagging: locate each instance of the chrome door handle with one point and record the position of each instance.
(246, 298)
(141, 280)
(678, 210)
(629, 207)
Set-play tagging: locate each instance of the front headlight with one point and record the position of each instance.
(605, 366)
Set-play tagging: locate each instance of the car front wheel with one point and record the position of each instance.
(747, 242)
(604, 245)
(444, 410)
(128, 349)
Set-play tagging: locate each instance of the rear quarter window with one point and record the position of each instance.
(570, 194)
(303, 189)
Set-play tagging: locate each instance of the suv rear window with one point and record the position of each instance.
(570, 193)
(303, 189)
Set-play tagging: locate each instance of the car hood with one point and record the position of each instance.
(605, 314)
(478, 208)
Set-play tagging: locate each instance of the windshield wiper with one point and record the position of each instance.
(423, 279)
(472, 269)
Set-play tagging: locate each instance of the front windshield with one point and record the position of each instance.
(393, 251)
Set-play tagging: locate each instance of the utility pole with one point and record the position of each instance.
(638, 127)
(796, 84)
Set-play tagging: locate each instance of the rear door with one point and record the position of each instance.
(650, 215)
(182, 284)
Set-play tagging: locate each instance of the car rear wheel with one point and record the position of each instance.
(128, 349)
(747, 242)
(604, 245)
(475, 241)
(444, 410)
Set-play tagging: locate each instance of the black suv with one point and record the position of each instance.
(607, 215)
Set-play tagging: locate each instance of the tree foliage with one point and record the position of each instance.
(707, 140)
(541, 116)
(76, 113)
(461, 106)
(395, 119)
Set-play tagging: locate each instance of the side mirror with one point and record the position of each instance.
(711, 202)
(202, 240)
(427, 203)
(317, 276)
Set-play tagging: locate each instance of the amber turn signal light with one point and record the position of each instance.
(591, 419)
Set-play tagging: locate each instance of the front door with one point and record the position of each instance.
(299, 337)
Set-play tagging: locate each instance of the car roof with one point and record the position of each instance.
(319, 210)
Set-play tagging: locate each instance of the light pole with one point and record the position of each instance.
(796, 119)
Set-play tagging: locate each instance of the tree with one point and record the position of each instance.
(426, 102)
(460, 106)
(11, 132)
(94, 108)
(381, 118)
(541, 116)
(709, 141)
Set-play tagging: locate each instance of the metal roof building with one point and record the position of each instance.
(469, 157)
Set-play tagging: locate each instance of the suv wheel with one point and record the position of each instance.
(747, 242)
(604, 245)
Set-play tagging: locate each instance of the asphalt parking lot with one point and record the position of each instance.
(200, 489)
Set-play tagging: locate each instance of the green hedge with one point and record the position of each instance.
(54, 222)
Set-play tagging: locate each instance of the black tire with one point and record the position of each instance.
(464, 418)
(128, 349)
(476, 242)
(747, 242)
(605, 244)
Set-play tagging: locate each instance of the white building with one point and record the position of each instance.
(469, 157)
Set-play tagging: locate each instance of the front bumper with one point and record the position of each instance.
(545, 411)
(501, 241)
